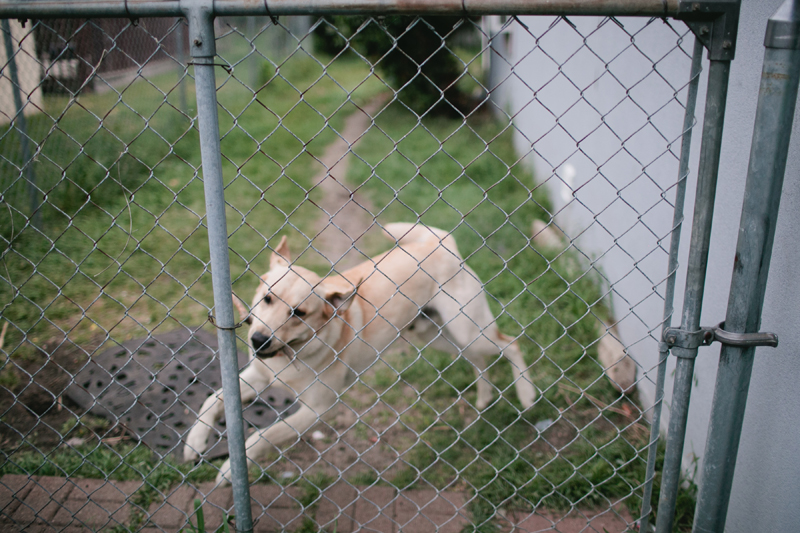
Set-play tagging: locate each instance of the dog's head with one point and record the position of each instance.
(293, 308)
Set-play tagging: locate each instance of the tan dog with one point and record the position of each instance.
(316, 336)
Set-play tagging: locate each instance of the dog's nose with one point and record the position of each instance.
(260, 341)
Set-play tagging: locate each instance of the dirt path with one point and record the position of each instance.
(341, 232)
(346, 236)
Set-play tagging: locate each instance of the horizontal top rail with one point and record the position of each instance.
(161, 8)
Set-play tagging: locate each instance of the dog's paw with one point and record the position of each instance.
(527, 394)
(482, 403)
(528, 402)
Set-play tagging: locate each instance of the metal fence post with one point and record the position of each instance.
(773, 125)
(21, 124)
(718, 74)
(672, 268)
(202, 45)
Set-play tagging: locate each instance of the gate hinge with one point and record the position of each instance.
(715, 23)
(689, 340)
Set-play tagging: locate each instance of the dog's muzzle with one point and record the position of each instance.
(261, 344)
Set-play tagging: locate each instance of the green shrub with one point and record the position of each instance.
(409, 52)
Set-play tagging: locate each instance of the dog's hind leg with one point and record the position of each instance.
(526, 390)
(427, 330)
(482, 377)
(488, 343)
(253, 379)
(441, 339)
(472, 329)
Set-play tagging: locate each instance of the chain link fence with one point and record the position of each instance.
(547, 150)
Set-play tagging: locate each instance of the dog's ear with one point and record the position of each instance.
(243, 314)
(281, 256)
(339, 297)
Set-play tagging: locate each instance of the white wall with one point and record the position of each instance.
(589, 208)
(28, 73)
(596, 109)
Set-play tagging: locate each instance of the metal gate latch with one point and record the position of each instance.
(689, 340)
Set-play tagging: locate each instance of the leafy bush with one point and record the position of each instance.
(409, 51)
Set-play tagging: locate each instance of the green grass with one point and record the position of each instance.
(123, 245)
(99, 461)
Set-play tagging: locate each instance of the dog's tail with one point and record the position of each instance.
(407, 233)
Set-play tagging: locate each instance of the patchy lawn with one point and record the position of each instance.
(123, 249)
(588, 447)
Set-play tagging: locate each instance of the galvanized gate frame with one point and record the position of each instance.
(714, 23)
(738, 334)
(769, 150)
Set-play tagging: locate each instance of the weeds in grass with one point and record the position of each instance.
(8, 378)
(366, 478)
(201, 526)
(311, 487)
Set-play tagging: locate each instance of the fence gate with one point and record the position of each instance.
(475, 179)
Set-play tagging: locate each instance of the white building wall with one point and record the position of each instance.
(596, 110)
(28, 73)
(603, 153)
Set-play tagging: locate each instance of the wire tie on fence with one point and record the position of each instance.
(226, 68)
(214, 323)
(272, 17)
(134, 20)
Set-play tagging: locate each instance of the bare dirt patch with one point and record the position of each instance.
(32, 404)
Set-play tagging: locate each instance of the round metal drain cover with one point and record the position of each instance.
(156, 386)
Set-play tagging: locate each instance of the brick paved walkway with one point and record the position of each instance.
(39, 504)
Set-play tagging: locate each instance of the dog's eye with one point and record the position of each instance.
(298, 313)
(267, 299)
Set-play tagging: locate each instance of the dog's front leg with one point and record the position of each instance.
(253, 379)
(281, 432)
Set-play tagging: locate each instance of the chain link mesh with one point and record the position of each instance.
(331, 129)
